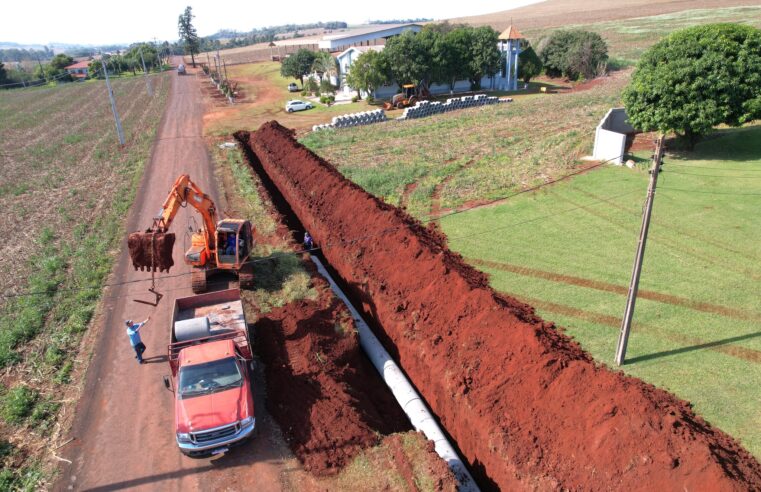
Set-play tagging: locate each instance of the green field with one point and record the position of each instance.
(568, 250)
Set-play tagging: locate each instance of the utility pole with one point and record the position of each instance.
(145, 74)
(42, 71)
(119, 130)
(626, 323)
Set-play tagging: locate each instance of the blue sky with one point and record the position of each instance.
(98, 22)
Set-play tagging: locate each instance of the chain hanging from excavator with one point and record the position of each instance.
(219, 245)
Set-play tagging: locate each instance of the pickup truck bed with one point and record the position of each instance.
(224, 311)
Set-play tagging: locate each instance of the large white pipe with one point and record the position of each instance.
(403, 391)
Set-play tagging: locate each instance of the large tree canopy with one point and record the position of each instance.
(697, 78)
(298, 65)
(574, 54)
(409, 58)
(452, 55)
(188, 34)
(443, 55)
(485, 57)
(369, 72)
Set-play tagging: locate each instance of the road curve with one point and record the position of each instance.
(123, 431)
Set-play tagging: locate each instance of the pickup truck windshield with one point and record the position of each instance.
(202, 379)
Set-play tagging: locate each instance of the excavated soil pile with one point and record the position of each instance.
(527, 407)
(326, 398)
(147, 250)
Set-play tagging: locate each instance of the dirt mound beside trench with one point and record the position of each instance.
(326, 398)
(527, 407)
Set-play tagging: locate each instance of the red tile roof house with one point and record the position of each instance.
(78, 70)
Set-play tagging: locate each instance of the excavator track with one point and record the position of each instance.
(246, 277)
(198, 280)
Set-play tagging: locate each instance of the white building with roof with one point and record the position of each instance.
(365, 36)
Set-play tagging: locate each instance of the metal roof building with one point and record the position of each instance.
(357, 37)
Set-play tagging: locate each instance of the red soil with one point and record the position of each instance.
(526, 406)
(324, 395)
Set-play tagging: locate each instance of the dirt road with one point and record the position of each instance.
(123, 430)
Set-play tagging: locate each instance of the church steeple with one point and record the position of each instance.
(511, 44)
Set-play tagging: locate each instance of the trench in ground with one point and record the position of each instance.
(296, 229)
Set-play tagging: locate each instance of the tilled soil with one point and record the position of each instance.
(325, 396)
(527, 406)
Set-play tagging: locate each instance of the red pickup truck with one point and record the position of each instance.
(210, 358)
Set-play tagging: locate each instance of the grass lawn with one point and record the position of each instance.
(472, 154)
(568, 250)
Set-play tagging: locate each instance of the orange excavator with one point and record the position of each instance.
(220, 245)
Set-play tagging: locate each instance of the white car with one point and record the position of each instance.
(297, 105)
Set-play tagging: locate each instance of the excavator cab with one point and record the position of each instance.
(234, 243)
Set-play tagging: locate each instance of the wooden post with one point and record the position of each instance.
(626, 323)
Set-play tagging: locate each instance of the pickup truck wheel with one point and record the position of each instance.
(198, 281)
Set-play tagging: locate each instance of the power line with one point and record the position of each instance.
(710, 192)
(714, 175)
(543, 217)
(527, 190)
(672, 164)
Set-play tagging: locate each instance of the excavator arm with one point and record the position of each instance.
(183, 192)
(152, 249)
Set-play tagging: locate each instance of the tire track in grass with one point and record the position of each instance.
(651, 295)
(408, 189)
(688, 343)
(435, 210)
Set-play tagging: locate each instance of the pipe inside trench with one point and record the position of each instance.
(409, 399)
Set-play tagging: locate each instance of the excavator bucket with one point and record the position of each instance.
(151, 251)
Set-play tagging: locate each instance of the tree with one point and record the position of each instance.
(529, 65)
(3, 74)
(188, 34)
(485, 57)
(695, 79)
(573, 54)
(408, 58)
(368, 72)
(452, 55)
(324, 65)
(56, 69)
(298, 65)
(150, 55)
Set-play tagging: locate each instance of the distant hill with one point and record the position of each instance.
(558, 13)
